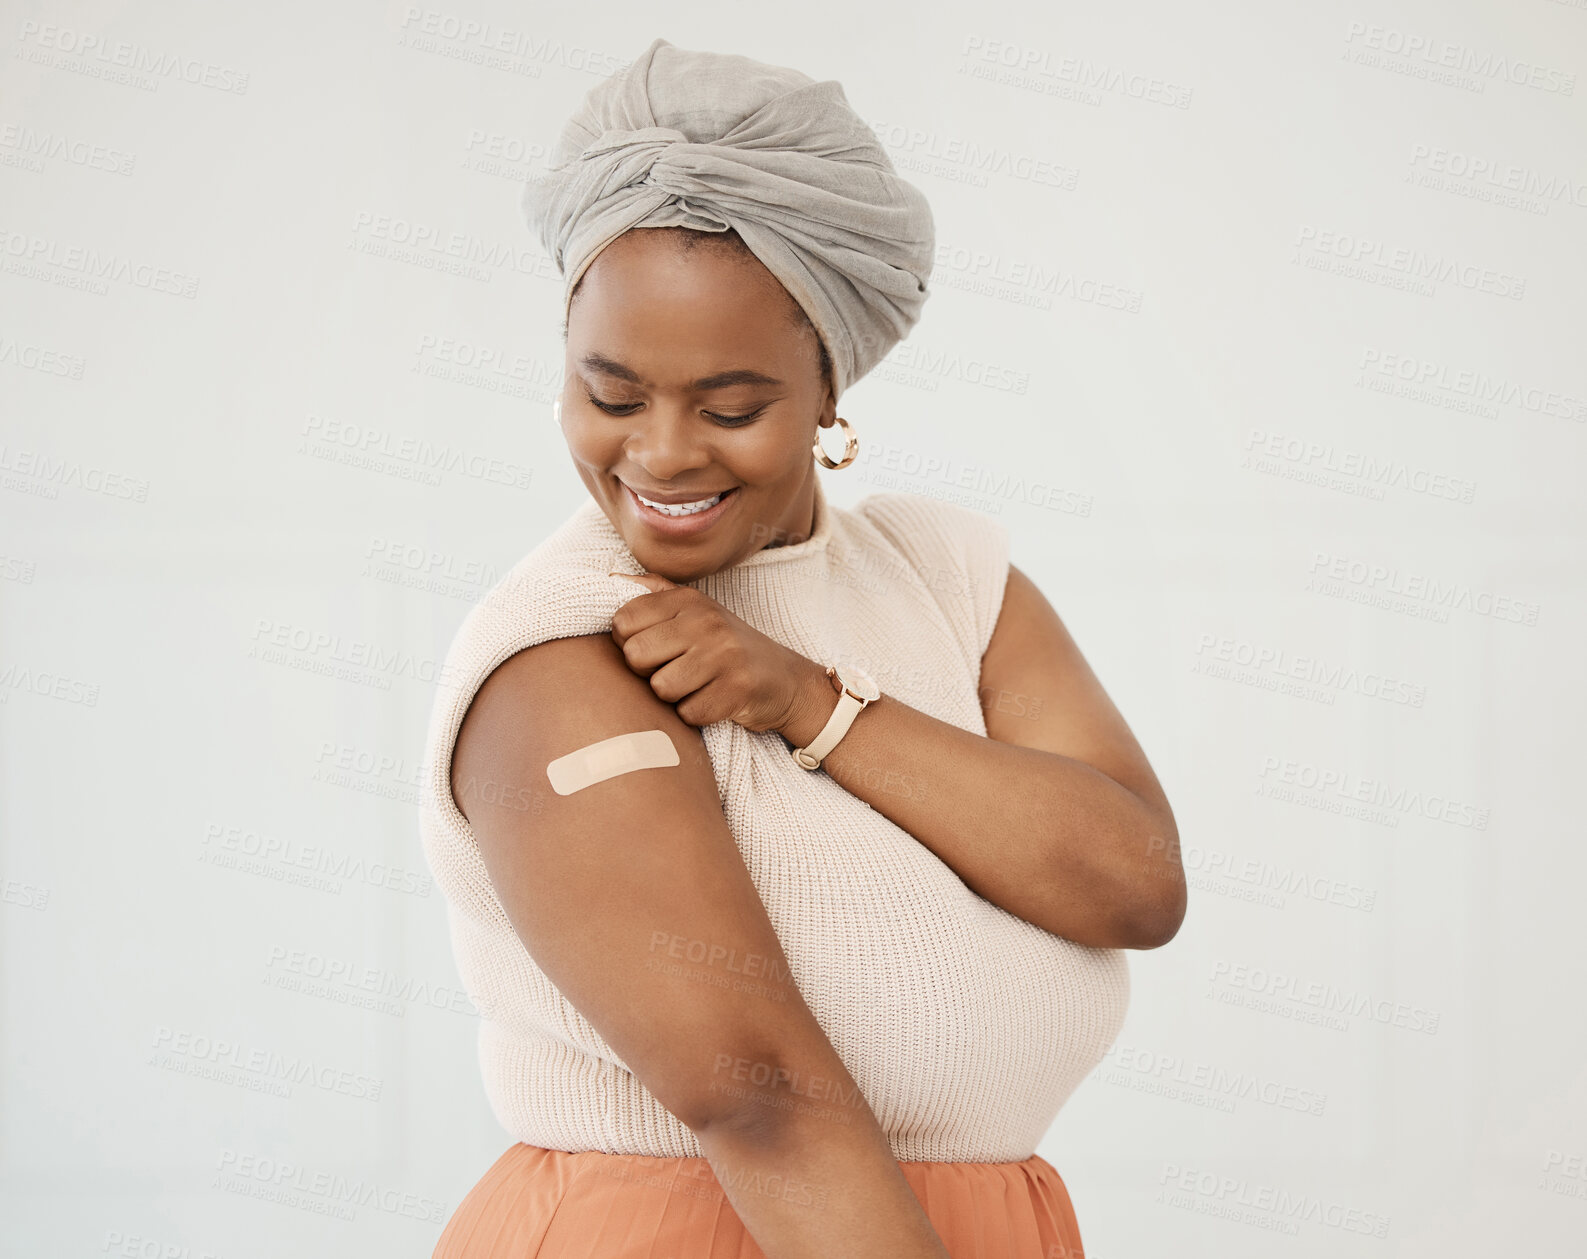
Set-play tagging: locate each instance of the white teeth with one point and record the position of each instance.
(680, 509)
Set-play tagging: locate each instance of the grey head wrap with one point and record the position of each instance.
(714, 141)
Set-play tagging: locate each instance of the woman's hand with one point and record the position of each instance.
(711, 665)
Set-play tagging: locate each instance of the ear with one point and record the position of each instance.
(654, 582)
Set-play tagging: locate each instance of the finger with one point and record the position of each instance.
(648, 610)
(649, 649)
(681, 681)
(651, 581)
(718, 700)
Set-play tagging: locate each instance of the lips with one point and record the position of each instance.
(676, 500)
(680, 524)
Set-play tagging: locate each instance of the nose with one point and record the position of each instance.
(667, 442)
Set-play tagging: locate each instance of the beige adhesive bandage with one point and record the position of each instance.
(643, 749)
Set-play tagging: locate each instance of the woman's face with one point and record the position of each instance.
(687, 376)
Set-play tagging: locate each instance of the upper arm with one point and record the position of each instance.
(610, 885)
(1037, 691)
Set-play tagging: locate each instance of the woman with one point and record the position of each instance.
(790, 851)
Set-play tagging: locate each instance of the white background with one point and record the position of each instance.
(1261, 326)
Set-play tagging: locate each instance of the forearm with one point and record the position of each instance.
(1045, 837)
(812, 1186)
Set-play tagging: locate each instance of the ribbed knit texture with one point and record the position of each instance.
(965, 1027)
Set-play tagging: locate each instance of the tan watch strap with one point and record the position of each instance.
(812, 754)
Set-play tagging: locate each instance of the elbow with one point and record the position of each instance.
(738, 1099)
(703, 1106)
(1160, 898)
(741, 1126)
(750, 1101)
(1158, 919)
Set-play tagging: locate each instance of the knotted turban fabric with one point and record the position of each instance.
(714, 141)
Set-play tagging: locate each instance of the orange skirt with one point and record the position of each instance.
(535, 1203)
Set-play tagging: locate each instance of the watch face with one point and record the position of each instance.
(859, 681)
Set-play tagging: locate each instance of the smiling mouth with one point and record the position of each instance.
(679, 511)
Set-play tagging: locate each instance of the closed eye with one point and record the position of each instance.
(629, 408)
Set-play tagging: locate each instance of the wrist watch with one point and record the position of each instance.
(855, 690)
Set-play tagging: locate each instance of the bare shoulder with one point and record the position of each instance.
(543, 702)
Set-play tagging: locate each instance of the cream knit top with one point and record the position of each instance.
(965, 1027)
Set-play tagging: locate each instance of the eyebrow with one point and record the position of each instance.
(718, 380)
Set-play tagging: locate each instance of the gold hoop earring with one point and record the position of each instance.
(851, 446)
